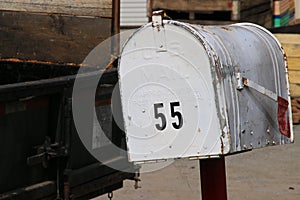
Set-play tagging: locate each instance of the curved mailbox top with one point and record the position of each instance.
(195, 91)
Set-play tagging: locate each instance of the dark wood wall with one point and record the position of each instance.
(55, 31)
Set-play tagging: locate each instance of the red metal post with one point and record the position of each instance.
(213, 179)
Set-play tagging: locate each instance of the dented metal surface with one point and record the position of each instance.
(250, 51)
(247, 72)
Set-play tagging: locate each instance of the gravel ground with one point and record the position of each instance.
(271, 173)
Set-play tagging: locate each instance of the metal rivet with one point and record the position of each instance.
(251, 132)
(267, 142)
(251, 145)
(268, 131)
(274, 143)
(245, 146)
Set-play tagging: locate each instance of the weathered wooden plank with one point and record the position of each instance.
(193, 5)
(206, 22)
(264, 19)
(294, 77)
(294, 63)
(50, 37)
(292, 50)
(206, 5)
(101, 8)
(285, 38)
(246, 4)
(295, 90)
(252, 11)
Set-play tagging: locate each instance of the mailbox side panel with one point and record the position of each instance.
(254, 73)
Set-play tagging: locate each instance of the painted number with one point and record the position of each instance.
(176, 114)
(162, 117)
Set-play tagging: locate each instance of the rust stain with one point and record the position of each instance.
(39, 62)
(222, 147)
(226, 28)
(245, 81)
(103, 102)
(110, 65)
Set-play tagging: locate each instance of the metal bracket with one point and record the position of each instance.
(46, 152)
(157, 19)
(159, 33)
(239, 81)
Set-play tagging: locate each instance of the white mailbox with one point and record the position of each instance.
(203, 91)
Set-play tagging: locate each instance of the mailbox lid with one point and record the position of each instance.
(168, 94)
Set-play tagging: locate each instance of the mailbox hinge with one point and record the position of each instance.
(150, 161)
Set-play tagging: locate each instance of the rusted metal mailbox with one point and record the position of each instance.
(203, 91)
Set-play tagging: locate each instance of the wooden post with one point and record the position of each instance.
(115, 40)
(213, 179)
(116, 17)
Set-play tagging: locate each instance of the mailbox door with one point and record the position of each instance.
(167, 89)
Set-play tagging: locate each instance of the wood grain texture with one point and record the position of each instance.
(293, 63)
(292, 50)
(101, 8)
(285, 38)
(294, 77)
(246, 4)
(263, 19)
(295, 90)
(50, 37)
(254, 10)
(291, 46)
(206, 5)
(192, 5)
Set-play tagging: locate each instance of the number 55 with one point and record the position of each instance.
(174, 114)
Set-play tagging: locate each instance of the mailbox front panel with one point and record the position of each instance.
(168, 96)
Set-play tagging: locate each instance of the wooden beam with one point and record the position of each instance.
(255, 10)
(295, 90)
(288, 38)
(263, 19)
(102, 8)
(293, 63)
(50, 37)
(246, 4)
(294, 77)
(193, 5)
(292, 50)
